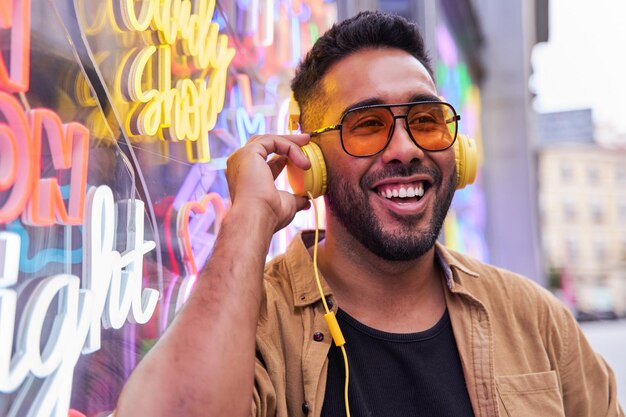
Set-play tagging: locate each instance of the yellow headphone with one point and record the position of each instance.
(313, 180)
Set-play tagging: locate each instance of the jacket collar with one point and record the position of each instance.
(304, 286)
(452, 261)
(301, 272)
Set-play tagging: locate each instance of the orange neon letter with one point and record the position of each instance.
(69, 145)
(19, 168)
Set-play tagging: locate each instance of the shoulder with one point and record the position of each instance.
(507, 294)
(524, 317)
(489, 280)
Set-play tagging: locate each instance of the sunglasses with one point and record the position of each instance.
(366, 131)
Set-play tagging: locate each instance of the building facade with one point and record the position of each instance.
(582, 195)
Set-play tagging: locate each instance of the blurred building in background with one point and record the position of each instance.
(582, 195)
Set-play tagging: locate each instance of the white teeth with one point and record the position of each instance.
(402, 192)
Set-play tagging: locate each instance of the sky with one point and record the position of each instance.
(584, 62)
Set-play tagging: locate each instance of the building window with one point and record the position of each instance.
(597, 211)
(599, 248)
(567, 173)
(571, 249)
(621, 174)
(569, 209)
(621, 210)
(593, 175)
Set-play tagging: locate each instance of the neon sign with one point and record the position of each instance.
(111, 294)
(188, 110)
(40, 200)
(15, 15)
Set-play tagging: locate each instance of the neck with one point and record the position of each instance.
(393, 296)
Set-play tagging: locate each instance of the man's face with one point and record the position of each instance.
(396, 228)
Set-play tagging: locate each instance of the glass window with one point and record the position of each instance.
(597, 211)
(567, 173)
(599, 248)
(571, 248)
(620, 174)
(593, 175)
(569, 209)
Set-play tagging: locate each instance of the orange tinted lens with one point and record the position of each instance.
(366, 131)
(433, 125)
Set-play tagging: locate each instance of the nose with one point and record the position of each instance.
(401, 148)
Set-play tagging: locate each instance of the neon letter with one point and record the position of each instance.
(23, 165)
(15, 14)
(69, 145)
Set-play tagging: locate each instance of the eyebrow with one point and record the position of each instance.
(375, 100)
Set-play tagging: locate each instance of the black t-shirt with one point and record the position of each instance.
(397, 375)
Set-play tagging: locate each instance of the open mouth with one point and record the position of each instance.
(403, 192)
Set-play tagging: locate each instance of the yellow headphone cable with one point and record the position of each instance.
(331, 320)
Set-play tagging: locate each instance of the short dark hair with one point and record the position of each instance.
(370, 29)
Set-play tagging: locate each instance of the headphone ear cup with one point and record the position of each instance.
(466, 157)
(312, 180)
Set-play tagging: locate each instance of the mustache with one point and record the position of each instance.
(405, 170)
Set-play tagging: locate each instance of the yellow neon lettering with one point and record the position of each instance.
(167, 19)
(99, 18)
(190, 34)
(206, 54)
(165, 68)
(192, 121)
(137, 69)
(189, 110)
(129, 16)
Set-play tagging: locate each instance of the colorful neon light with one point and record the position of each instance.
(8, 154)
(41, 259)
(186, 112)
(18, 134)
(111, 294)
(189, 110)
(183, 225)
(69, 145)
(15, 15)
(198, 181)
(102, 266)
(9, 250)
(247, 127)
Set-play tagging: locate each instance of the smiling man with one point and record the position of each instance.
(428, 332)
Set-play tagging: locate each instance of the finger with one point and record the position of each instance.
(267, 145)
(277, 163)
(302, 203)
(300, 139)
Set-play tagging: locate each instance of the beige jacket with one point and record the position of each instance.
(522, 352)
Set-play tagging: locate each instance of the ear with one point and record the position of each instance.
(294, 114)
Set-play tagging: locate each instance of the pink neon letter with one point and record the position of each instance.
(15, 14)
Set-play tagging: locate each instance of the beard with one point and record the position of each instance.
(352, 208)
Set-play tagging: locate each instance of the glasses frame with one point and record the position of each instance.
(404, 116)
